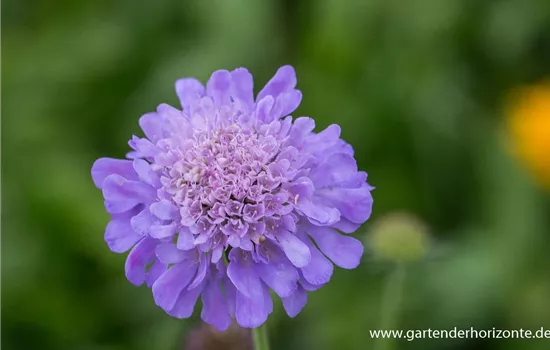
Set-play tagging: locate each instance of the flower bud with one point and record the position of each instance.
(399, 237)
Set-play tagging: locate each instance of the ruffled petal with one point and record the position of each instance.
(164, 210)
(242, 88)
(127, 215)
(139, 258)
(310, 287)
(325, 140)
(152, 127)
(204, 263)
(143, 148)
(104, 167)
(283, 80)
(294, 303)
(337, 168)
(120, 236)
(300, 188)
(355, 204)
(146, 174)
(215, 310)
(185, 239)
(301, 128)
(186, 302)
(167, 288)
(318, 213)
(253, 312)
(219, 87)
(287, 102)
(245, 279)
(142, 222)
(174, 121)
(268, 302)
(320, 269)
(279, 274)
(168, 253)
(155, 271)
(346, 226)
(296, 251)
(344, 251)
(230, 294)
(122, 194)
(163, 231)
(264, 108)
(189, 91)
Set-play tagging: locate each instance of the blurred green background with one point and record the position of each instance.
(418, 88)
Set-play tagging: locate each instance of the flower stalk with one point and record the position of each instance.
(391, 304)
(261, 339)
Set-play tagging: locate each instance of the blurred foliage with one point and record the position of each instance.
(417, 86)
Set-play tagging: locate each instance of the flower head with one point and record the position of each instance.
(223, 198)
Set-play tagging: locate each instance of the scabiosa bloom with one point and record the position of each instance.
(230, 197)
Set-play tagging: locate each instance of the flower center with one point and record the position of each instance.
(228, 181)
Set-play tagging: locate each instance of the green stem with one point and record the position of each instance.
(261, 341)
(391, 303)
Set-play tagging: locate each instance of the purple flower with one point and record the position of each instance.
(230, 197)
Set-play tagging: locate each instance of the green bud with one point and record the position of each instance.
(399, 237)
